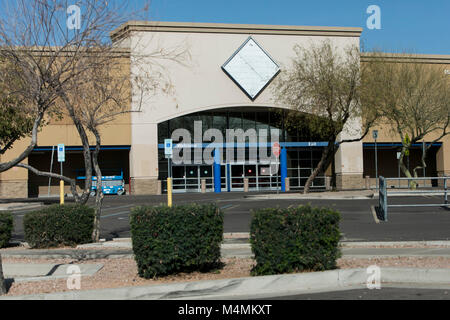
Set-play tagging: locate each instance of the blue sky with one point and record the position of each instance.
(416, 26)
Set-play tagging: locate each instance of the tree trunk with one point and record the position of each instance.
(325, 160)
(412, 183)
(333, 170)
(424, 164)
(83, 199)
(2, 279)
(99, 196)
(87, 160)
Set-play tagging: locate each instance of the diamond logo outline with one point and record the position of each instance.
(237, 82)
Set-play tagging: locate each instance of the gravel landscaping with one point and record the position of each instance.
(123, 272)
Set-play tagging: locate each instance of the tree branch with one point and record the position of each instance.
(70, 181)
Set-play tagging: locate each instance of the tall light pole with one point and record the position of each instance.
(168, 152)
(399, 154)
(424, 170)
(375, 137)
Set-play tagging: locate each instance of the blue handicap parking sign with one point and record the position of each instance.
(61, 153)
(168, 145)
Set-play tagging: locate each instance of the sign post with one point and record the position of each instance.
(168, 151)
(399, 154)
(276, 150)
(375, 137)
(61, 160)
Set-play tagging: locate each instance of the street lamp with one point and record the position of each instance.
(424, 169)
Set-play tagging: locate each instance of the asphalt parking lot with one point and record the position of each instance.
(375, 294)
(358, 222)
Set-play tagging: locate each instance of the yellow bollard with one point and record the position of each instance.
(61, 192)
(169, 192)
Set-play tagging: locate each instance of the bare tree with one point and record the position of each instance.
(324, 84)
(414, 98)
(45, 55)
(90, 82)
(107, 93)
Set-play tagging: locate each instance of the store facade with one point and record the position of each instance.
(225, 86)
(228, 84)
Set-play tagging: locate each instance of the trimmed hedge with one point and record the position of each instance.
(294, 240)
(183, 238)
(6, 228)
(54, 226)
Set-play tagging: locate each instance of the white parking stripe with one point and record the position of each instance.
(120, 207)
(115, 214)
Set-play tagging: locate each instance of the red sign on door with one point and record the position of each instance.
(276, 149)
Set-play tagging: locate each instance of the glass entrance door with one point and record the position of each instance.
(188, 178)
(207, 173)
(259, 177)
(237, 177)
(268, 179)
(192, 178)
(179, 178)
(251, 173)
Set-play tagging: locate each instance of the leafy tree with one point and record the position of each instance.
(414, 98)
(324, 84)
(14, 123)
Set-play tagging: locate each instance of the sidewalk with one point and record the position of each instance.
(25, 272)
(337, 195)
(234, 246)
(259, 287)
(244, 251)
(20, 206)
(237, 248)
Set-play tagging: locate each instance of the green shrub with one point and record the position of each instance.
(179, 239)
(294, 240)
(6, 228)
(66, 225)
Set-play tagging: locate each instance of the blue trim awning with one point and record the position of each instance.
(247, 145)
(37, 149)
(394, 144)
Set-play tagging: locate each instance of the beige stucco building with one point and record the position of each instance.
(224, 93)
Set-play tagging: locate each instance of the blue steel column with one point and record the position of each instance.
(283, 168)
(217, 172)
(228, 177)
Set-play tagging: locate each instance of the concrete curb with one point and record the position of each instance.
(69, 254)
(406, 194)
(112, 244)
(236, 235)
(19, 206)
(247, 288)
(337, 195)
(42, 272)
(125, 243)
(310, 197)
(437, 243)
(119, 249)
(244, 251)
